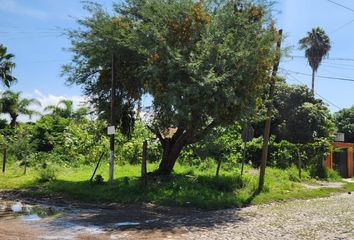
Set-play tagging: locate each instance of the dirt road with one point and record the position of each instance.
(322, 218)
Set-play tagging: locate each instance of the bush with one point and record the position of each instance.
(293, 173)
(332, 174)
(47, 173)
(99, 180)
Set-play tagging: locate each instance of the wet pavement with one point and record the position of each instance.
(322, 218)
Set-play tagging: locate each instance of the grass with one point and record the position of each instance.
(187, 187)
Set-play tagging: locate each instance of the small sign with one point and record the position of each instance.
(339, 137)
(111, 130)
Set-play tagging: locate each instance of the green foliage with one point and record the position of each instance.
(199, 189)
(285, 154)
(333, 175)
(222, 142)
(344, 120)
(295, 107)
(48, 131)
(20, 144)
(197, 67)
(98, 179)
(130, 149)
(294, 174)
(13, 104)
(82, 142)
(65, 109)
(187, 55)
(6, 66)
(102, 40)
(316, 45)
(47, 173)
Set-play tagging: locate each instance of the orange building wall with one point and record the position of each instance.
(350, 164)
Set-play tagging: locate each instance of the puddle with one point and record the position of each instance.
(125, 224)
(24, 212)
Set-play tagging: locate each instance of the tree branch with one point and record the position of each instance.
(157, 133)
(197, 137)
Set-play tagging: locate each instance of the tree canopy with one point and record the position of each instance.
(6, 66)
(13, 104)
(344, 120)
(317, 46)
(204, 63)
(298, 116)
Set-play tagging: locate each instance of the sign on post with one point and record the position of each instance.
(111, 130)
(339, 137)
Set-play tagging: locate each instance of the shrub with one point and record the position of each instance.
(99, 180)
(47, 173)
(332, 174)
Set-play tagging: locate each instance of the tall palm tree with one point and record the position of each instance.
(6, 66)
(316, 45)
(13, 104)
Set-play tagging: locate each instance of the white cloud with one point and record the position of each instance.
(12, 6)
(47, 100)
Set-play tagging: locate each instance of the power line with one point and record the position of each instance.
(330, 59)
(324, 62)
(319, 76)
(342, 26)
(323, 98)
(341, 5)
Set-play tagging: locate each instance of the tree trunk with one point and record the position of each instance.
(313, 82)
(170, 154)
(13, 121)
(218, 167)
(299, 163)
(4, 160)
(25, 170)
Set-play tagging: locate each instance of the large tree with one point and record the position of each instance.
(6, 66)
(298, 116)
(344, 120)
(316, 45)
(13, 104)
(204, 63)
(102, 42)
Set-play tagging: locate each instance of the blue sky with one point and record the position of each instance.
(31, 29)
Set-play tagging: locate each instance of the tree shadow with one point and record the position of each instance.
(150, 217)
(88, 204)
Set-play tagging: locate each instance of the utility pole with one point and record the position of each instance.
(112, 135)
(269, 117)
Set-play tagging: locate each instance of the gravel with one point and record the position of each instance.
(322, 218)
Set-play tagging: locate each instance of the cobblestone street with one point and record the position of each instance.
(321, 218)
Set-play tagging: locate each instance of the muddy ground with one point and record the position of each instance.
(322, 218)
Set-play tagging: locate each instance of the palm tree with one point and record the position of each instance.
(316, 45)
(64, 108)
(6, 66)
(13, 104)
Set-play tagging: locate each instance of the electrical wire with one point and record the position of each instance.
(323, 98)
(320, 76)
(341, 5)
